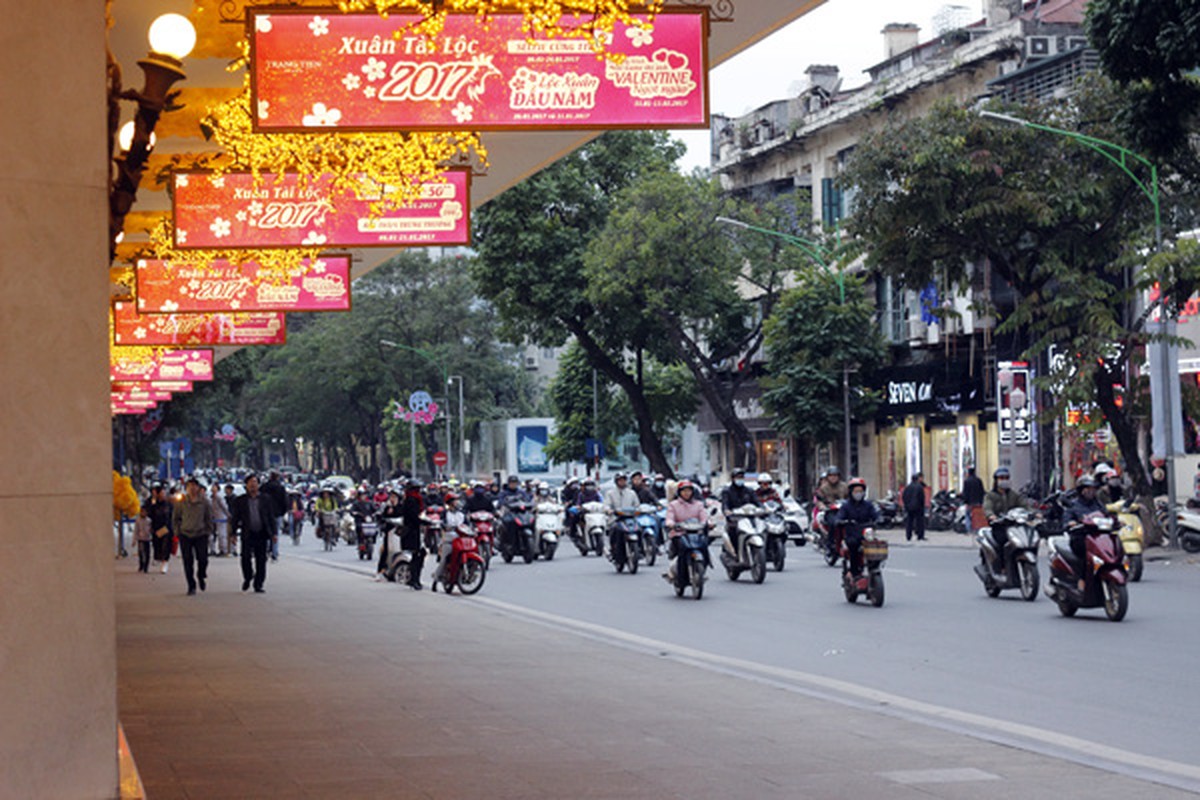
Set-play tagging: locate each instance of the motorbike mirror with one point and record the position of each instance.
(787, 492)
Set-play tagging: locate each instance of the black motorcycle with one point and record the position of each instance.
(519, 534)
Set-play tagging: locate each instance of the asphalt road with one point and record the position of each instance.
(940, 651)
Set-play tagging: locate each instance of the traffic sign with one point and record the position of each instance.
(440, 459)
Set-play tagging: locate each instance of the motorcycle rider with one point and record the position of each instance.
(644, 493)
(326, 503)
(998, 502)
(830, 488)
(390, 516)
(856, 513)
(455, 518)
(660, 486)
(766, 491)
(616, 498)
(686, 507)
(734, 496)
(511, 493)
(1086, 502)
(360, 509)
(411, 508)
(478, 499)
(1111, 489)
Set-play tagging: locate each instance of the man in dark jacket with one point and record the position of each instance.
(973, 493)
(252, 517)
(274, 491)
(856, 513)
(410, 510)
(913, 498)
(734, 496)
(160, 514)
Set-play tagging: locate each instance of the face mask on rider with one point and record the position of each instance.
(738, 482)
(857, 495)
(1002, 483)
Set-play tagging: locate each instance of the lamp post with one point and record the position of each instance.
(445, 382)
(1122, 156)
(823, 258)
(172, 38)
(462, 450)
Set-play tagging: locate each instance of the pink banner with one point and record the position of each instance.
(321, 68)
(168, 287)
(175, 387)
(134, 406)
(119, 408)
(172, 365)
(140, 397)
(227, 211)
(132, 328)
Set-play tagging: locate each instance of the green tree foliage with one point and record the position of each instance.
(1054, 219)
(1153, 48)
(810, 338)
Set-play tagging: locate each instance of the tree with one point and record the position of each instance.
(1054, 219)
(531, 242)
(810, 340)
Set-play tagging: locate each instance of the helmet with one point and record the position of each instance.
(450, 497)
(1104, 471)
(412, 483)
(765, 477)
(738, 472)
(589, 482)
(857, 482)
(684, 484)
(513, 478)
(1085, 482)
(1002, 472)
(636, 474)
(833, 470)
(573, 482)
(620, 476)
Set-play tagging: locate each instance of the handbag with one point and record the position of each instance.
(174, 545)
(161, 532)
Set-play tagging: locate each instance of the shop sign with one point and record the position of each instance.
(234, 210)
(938, 388)
(318, 68)
(902, 393)
(172, 365)
(1013, 381)
(169, 287)
(132, 328)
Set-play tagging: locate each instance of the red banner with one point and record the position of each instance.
(175, 387)
(361, 72)
(189, 330)
(121, 408)
(172, 365)
(140, 397)
(168, 287)
(228, 211)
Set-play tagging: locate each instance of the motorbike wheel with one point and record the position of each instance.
(1190, 542)
(1029, 580)
(848, 588)
(758, 564)
(506, 553)
(780, 556)
(1116, 601)
(697, 581)
(550, 550)
(651, 548)
(875, 589)
(1135, 567)
(471, 576)
(632, 558)
(1067, 608)
(831, 558)
(485, 551)
(400, 575)
(529, 553)
(732, 573)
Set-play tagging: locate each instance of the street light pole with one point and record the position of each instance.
(462, 449)
(1122, 156)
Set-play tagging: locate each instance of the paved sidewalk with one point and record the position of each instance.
(332, 686)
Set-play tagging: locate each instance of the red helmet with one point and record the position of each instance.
(857, 482)
(684, 484)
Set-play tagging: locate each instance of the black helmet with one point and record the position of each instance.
(514, 478)
(834, 470)
(1002, 472)
(738, 472)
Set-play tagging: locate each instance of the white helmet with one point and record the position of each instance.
(1102, 471)
(765, 477)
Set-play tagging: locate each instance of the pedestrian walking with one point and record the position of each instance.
(143, 535)
(229, 495)
(973, 494)
(252, 518)
(274, 490)
(913, 498)
(193, 522)
(160, 525)
(219, 545)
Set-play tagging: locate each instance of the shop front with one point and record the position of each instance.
(772, 451)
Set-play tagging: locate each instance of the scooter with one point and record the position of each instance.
(826, 536)
(795, 520)
(1100, 581)
(647, 521)
(1015, 567)
(366, 538)
(548, 524)
(944, 508)
(891, 513)
(483, 523)
(1132, 536)
(750, 553)
(870, 583)
(521, 534)
(595, 523)
(625, 540)
(464, 567)
(775, 529)
(691, 562)
(431, 527)
(400, 561)
(1187, 522)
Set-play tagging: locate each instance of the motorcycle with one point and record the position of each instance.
(1102, 574)
(826, 535)
(1132, 538)
(891, 513)
(795, 520)
(366, 538)
(520, 535)
(327, 528)
(348, 529)
(483, 524)
(464, 566)
(750, 553)
(687, 569)
(944, 507)
(548, 523)
(399, 563)
(431, 527)
(775, 529)
(1016, 567)
(1187, 522)
(595, 523)
(870, 583)
(648, 524)
(625, 542)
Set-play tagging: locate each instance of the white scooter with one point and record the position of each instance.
(751, 550)
(399, 563)
(595, 526)
(548, 524)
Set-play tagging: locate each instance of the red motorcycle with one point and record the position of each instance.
(464, 566)
(483, 525)
(1098, 582)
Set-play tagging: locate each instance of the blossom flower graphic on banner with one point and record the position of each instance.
(139, 332)
(314, 238)
(235, 304)
(369, 91)
(217, 181)
(351, 81)
(241, 216)
(255, 208)
(319, 26)
(322, 116)
(181, 236)
(220, 227)
(262, 23)
(319, 266)
(639, 37)
(181, 180)
(264, 109)
(375, 69)
(170, 305)
(463, 112)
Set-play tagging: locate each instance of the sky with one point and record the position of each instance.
(845, 33)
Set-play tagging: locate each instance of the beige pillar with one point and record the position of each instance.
(58, 711)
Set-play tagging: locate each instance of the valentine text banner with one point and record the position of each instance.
(175, 387)
(324, 69)
(232, 210)
(189, 330)
(169, 365)
(169, 287)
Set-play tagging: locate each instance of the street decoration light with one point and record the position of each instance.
(432, 359)
(1123, 158)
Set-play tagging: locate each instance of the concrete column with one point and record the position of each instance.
(58, 711)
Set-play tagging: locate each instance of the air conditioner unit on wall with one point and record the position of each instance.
(1040, 46)
(531, 362)
(916, 329)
